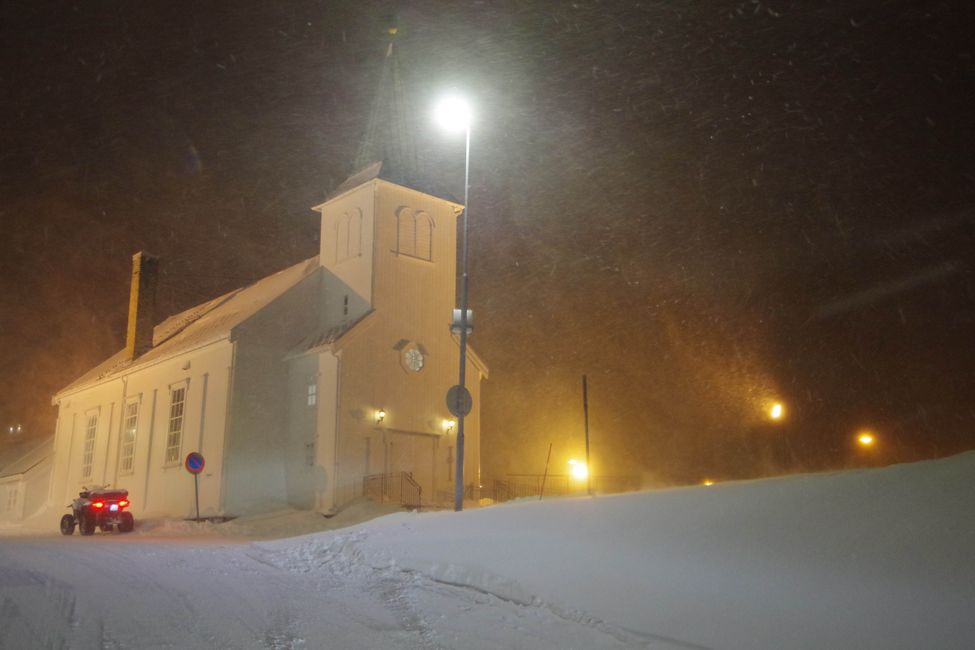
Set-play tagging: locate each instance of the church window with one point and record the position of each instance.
(174, 434)
(348, 235)
(310, 454)
(414, 234)
(13, 493)
(345, 305)
(312, 393)
(88, 456)
(129, 426)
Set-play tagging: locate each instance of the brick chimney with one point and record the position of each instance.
(142, 302)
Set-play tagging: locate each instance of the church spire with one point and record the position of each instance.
(389, 136)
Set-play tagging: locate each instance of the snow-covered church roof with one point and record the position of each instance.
(396, 174)
(21, 458)
(201, 325)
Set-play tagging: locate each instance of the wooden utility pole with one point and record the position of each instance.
(545, 475)
(585, 410)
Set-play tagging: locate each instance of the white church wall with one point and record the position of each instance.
(301, 462)
(154, 473)
(346, 245)
(12, 498)
(341, 305)
(167, 488)
(36, 481)
(326, 474)
(256, 458)
(414, 294)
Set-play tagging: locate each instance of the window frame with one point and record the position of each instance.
(13, 497)
(348, 235)
(88, 444)
(414, 234)
(128, 436)
(174, 435)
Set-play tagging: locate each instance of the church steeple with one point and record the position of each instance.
(389, 135)
(388, 149)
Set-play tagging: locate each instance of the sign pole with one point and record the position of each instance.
(194, 464)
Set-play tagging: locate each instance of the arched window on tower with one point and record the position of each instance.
(348, 235)
(414, 234)
(342, 238)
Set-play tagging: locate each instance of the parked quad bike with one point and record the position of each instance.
(102, 508)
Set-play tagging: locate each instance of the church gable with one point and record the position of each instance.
(346, 239)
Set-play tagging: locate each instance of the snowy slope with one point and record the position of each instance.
(877, 558)
(865, 559)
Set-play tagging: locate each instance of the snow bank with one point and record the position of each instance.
(866, 559)
(862, 559)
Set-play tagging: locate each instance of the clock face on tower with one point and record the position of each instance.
(413, 359)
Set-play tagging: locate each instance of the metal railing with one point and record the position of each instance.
(519, 486)
(445, 497)
(397, 487)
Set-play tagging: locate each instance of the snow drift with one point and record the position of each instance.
(860, 559)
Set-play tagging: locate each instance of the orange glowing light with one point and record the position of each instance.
(578, 470)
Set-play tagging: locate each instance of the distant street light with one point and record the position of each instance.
(865, 439)
(578, 470)
(454, 114)
(707, 482)
(776, 411)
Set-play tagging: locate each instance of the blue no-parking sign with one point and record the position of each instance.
(194, 462)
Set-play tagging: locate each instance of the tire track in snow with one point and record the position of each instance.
(418, 602)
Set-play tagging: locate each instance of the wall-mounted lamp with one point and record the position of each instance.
(448, 426)
(380, 416)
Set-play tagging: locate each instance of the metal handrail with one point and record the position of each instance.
(415, 490)
(397, 487)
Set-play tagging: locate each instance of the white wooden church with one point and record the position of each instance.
(308, 388)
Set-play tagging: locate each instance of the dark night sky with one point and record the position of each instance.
(701, 205)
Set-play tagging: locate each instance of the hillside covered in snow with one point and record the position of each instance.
(880, 558)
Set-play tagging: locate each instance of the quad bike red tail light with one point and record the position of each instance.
(99, 508)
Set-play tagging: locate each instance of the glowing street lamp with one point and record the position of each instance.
(578, 470)
(454, 114)
(707, 482)
(776, 411)
(866, 439)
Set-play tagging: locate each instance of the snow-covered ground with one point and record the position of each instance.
(862, 559)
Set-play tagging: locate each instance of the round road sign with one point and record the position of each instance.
(194, 462)
(459, 401)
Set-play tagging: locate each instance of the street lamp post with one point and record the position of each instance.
(454, 114)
